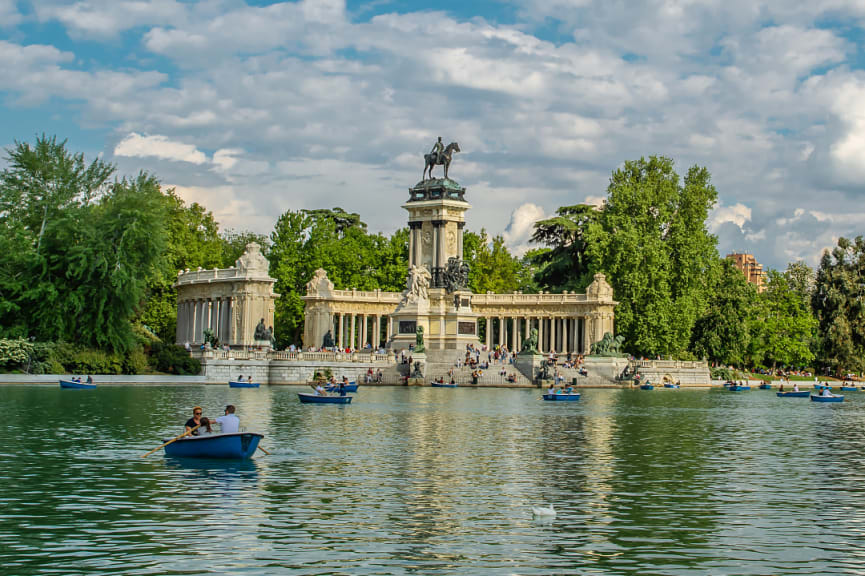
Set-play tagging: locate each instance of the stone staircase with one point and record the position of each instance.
(443, 363)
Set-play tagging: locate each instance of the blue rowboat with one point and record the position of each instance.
(836, 398)
(738, 388)
(350, 387)
(237, 446)
(442, 385)
(71, 384)
(646, 387)
(848, 388)
(765, 386)
(315, 399)
(671, 385)
(235, 384)
(822, 387)
(804, 394)
(562, 397)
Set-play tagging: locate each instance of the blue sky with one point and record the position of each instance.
(254, 108)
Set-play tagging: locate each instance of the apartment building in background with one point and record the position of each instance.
(749, 266)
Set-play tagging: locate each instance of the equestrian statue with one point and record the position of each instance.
(440, 155)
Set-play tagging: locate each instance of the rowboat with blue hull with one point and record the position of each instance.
(765, 386)
(738, 388)
(646, 387)
(822, 387)
(671, 385)
(350, 387)
(236, 384)
(561, 397)
(848, 389)
(315, 399)
(836, 398)
(75, 385)
(237, 446)
(804, 394)
(442, 385)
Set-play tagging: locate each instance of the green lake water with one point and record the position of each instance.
(434, 481)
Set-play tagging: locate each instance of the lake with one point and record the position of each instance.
(434, 481)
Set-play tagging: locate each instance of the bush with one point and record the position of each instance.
(173, 359)
(722, 373)
(135, 362)
(15, 354)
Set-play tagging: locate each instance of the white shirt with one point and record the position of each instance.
(229, 423)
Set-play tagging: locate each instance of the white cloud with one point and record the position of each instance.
(107, 18)
(738, 214)
(521, 226)
(156, 146)
(9, 15)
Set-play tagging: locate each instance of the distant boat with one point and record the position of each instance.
(804, 394)
(836, 398)
(316, 399)
(848, 388)
(646, 387)
(75, 385)
(237, 446)
(443, 385)
(562, 397)
(671, 385)
(236, 384)
(822, 387)
(734, 388)
(765, 386)
(350, 387)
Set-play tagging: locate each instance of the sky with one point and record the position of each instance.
(254, 108)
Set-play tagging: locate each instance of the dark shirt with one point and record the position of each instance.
(191, 423)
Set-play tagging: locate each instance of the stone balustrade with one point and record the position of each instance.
(298, 356)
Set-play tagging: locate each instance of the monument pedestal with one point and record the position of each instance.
(529, 365)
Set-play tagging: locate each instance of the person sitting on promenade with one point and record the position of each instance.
(229, 423)
(194, 421)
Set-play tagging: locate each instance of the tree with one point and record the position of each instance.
(492, 267)
(651, 241)
(565, 265)
(783, 331)
(722, 333)
(838, 302)
(234, 245)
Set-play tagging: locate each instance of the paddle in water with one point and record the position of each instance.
(187, 433)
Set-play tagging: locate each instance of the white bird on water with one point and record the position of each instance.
(542, 511)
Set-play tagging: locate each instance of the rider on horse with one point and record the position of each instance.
(438, 149)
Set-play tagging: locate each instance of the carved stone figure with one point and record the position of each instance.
(418, 340)
(456, 274)
(443, 158)
(417, 283)
(608, 346)
(261, 332)
(530, 344)
(328, 340)
(320, 285)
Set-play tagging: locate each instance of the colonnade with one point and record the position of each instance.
(196, 316)
(562, 334)
(357, 330)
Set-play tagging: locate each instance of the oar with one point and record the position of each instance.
(170, 441)
(263, 450)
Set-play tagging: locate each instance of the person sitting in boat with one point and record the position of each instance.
(552, 390)
(569, 390)
(89, 379)
(825, 392)
(194, 421)
(341, 388)
(319, 391)
(240, 378)
(229, 423)
(781, 387)
(795, 386)
(205, 427)
(452, 381)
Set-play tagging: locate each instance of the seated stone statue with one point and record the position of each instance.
(261, 331)
(328, 340)
(530, 344)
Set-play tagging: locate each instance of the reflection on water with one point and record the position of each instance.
(434, 481)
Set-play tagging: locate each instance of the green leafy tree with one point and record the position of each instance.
(234, 245)
(651, 241)
(565, 265)
(492, 267)
(782, 335)
(838, 302)
(722, 333)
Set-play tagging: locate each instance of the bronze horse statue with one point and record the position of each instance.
(430, 160)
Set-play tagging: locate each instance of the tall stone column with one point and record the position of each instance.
(541, 346)
(411, 247)
(377, 337)
(460, 226)
(516, 321)
(340, 332)
(351, 338)
(389, 329)
(489, 331)
(501, 338)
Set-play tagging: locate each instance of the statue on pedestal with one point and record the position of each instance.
(328, 340)
(261, 331)
(530, 344)
(439, 156)
(417, 283)
(418, 346)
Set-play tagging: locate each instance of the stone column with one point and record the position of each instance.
(516, 321)
(351, 338)
(460, 226)
(389, 328)
(489, 331)
(541, 347)
(376, 339)
(362, 331)
(501, 331)
(339, 334)
(410, 246)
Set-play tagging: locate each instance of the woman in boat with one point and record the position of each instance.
(552, 390)
(240, 378)
(825, 392)
(319, 391)
(795, 386)
(194, 421)
(781, 387)
(205, 427)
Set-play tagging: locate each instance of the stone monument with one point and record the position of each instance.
(436, 299)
